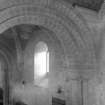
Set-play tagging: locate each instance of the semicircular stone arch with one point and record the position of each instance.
(43, 13)
(57, 5)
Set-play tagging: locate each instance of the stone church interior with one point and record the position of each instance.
(52, 52)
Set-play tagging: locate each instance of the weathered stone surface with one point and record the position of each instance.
(73, 54)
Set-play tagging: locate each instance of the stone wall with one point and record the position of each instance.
(72, 50)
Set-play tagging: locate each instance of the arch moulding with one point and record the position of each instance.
(58, 17)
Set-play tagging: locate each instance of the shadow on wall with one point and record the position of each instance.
(30, 94)
(1, 76)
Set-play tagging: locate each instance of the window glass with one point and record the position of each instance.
(41, 61)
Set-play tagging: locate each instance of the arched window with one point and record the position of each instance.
(41, 61)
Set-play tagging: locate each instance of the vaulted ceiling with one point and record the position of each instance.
(90, 4)
(24, 33)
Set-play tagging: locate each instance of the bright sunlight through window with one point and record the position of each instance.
(41, 60)
(41, 64)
